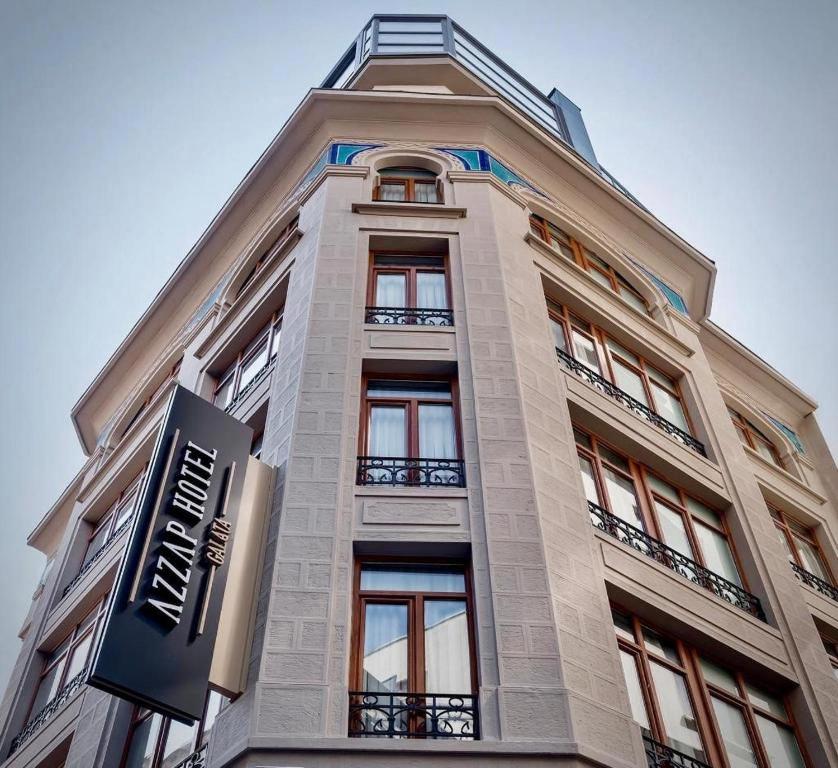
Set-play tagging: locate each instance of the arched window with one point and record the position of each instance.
(598, 269)
(408, 184)
(755, 439)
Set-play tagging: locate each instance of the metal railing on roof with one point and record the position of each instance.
(423, 35)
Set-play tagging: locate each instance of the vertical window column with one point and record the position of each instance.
(409, 434)
(413, 665)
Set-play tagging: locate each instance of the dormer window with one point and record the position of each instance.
(406, 184)
(596, 267)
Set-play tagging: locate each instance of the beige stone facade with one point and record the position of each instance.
(550, 687)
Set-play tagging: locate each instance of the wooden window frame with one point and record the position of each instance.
(410, 271)
(173, 373)
(750, 711)
(412, 408)
(584, 257)
(415, 620)
(688, 517)
(75, 638)
(108, 520)
(269, 332)
(409, 186)
(140, 715)
(699, 691)
(277, 245)
(606, 358)
(753, 435)
(792, 529)
(637, 648)
(646, 496)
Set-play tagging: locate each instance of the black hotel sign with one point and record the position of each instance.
(157, 645)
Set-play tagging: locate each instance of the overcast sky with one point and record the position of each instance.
(124, 127)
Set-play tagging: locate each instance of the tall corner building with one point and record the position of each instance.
(529, 505)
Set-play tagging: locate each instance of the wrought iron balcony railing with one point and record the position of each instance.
(406, 316)
(661, 756)
(96, 557)
(198, 759)
(413, 715)
(675, 561)
(56, 703)
(263, 372)
(624, 398)
(815, 582)
(431, 473)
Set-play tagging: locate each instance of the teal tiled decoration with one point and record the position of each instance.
(481, 160)
(674, 298)
(788, 432)
(343, 154)
(334, 154)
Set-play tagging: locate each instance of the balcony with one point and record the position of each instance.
(88, 566)
(625, 399)
(260, 376)
(424, 473)
(404, 316)
(413, 715)
(670, 558)
(661, 756)
(198, 759)
(815, 582)
(50, 708)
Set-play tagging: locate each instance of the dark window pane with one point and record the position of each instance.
(143, 743)
(433, 390)
(96, 543)
(180, 743)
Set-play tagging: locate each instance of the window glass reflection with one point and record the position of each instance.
(144, 743)
(677, 712)
(737, 742)
(418, 578)
(447, 654)
(385, 647)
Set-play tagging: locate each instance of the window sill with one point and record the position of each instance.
(410, 328)
(411, 492)
(777, 472)
(432, 210)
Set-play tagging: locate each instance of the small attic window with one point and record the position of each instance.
(408, 184)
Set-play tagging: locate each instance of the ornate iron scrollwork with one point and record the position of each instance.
(408, 316)
(428, 473)
(675, 561)
(624, 398)
(413, 715)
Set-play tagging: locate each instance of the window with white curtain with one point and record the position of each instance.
(409, 282)
(414, 635)
(410, 418)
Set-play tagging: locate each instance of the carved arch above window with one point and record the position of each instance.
(757, 432)
(611, 270)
